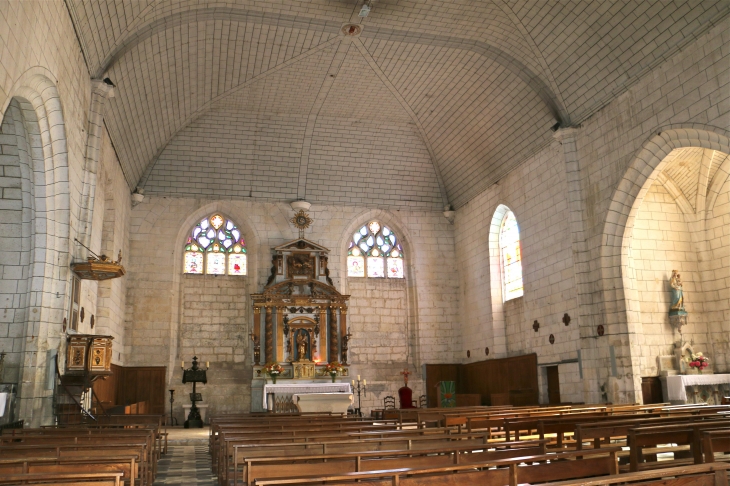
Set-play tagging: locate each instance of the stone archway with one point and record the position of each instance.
(38, 144)
(619, 298)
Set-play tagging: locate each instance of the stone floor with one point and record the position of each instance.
(185, 465)
(187, 461)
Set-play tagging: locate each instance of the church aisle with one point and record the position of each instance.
(185, 466)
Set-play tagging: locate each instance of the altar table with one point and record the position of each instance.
(676, 385)
(323, 402)
(304, 388)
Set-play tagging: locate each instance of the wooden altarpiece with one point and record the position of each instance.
(303, 316)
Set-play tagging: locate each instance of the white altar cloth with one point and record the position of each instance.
(676, 384)
(303, 388)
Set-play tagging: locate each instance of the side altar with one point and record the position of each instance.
(299, 322)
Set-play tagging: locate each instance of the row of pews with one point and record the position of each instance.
(570, 445)
(118, 450)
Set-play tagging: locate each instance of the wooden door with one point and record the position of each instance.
(553, 382)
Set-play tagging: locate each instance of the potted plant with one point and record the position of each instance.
(273, 370)
(332, 369)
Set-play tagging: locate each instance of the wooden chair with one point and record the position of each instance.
(389, 402)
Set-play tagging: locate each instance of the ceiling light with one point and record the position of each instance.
(364, 11)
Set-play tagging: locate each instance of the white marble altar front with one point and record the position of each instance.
(676, 386)
(323, 402)
(202, 408)
(300, 388)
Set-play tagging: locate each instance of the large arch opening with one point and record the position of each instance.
(624, 281)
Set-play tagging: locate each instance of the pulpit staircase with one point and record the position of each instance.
(74, 400)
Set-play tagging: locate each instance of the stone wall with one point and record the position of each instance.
(715, 266)
(394, 323)
(662, 242)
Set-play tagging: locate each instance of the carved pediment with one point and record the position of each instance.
(301, 244)
(306, 288)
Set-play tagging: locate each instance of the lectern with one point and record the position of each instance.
(194, 375)
(446, 391)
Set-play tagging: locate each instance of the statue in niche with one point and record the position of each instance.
(302, 346)
(677, 314)
(677, 302)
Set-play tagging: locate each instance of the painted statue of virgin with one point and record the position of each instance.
(677, 298)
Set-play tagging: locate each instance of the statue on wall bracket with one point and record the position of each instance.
(677, 313)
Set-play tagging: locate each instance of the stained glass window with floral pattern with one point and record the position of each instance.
(511, 256)
(215, 247)
(375, 251)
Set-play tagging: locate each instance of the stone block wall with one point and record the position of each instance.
(15, 254)
(535, 192)
(394, 323)
(662, 242)
(715, 269)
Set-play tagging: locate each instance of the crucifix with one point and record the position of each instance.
(405, 374)
(536, 326)
(566, 319)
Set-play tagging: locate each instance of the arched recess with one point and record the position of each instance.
(254, 253)
(35, 113)
(620, 299)
(412, 257)
(373, 352)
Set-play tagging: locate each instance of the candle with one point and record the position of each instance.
(364, 382)
(207, 364)
(358, 377)
(353, 383)
(182, 364)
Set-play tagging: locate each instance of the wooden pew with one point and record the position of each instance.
(66, 479)
(144, 437)
(65, 452)
(340, 444)
(713, 442)
(278, 467)
(696, 475)
(616, 428)
(124, 465)
(687, 434)
(564, 465)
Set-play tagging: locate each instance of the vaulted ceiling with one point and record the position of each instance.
(480, 82)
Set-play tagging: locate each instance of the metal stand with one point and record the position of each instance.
(173, 420)
(358, 389)
(194, 375)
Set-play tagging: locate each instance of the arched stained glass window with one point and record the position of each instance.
(375, 251)
(215, 247)
(511, 257)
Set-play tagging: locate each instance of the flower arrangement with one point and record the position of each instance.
(699, 361)
(273, 370)
(332, 369)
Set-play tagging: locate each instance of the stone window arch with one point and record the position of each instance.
(375, 251)
(215, 246)
(510, 257)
